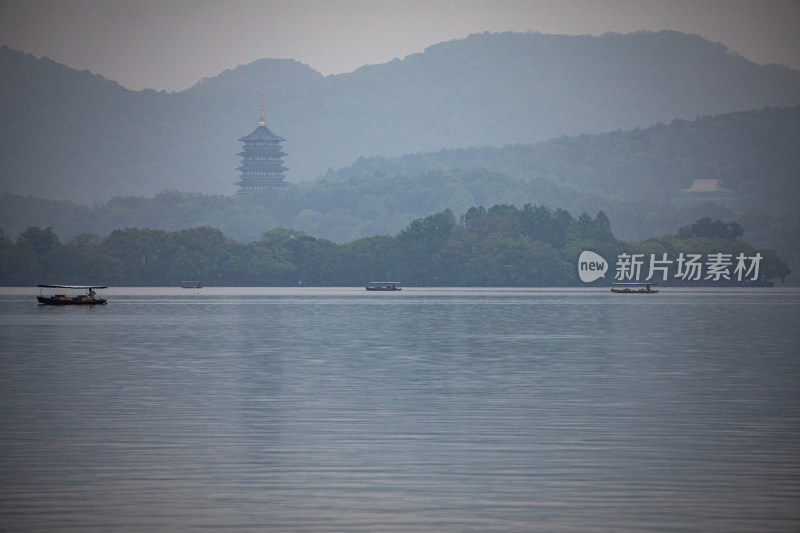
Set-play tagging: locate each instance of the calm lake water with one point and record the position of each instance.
(463, 410)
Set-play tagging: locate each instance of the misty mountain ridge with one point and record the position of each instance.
(77, 136)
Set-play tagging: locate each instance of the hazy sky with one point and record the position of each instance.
(172, 44)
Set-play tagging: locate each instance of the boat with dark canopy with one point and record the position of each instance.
(80, 295)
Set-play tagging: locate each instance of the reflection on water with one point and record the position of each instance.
(424, 410)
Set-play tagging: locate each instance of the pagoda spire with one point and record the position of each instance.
(261, 121)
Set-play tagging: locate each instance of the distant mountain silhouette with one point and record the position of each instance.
(73, 135)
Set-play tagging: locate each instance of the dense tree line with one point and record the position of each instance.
(499, 246)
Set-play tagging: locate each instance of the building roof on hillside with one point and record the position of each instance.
(706, 185)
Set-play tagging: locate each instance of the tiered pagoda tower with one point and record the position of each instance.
(262, 160)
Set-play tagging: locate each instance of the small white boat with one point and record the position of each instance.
(383, 286)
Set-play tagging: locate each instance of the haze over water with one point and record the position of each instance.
(425, 410)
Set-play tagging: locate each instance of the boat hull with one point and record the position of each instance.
(634, 291)
(64, 300)
(385, 286)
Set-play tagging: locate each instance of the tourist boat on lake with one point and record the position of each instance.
(383, 286)
(81, 295)
(191, 285)
(633, 288)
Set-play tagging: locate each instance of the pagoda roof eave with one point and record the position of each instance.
(262, 133)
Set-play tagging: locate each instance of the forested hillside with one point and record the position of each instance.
(341, 210)
(754, 153)
(73, 135)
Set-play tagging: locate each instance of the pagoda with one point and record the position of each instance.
(262, 160)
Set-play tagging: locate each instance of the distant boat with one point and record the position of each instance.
(83, 295)
(633, 288)
(191, 285)
(383, 286)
